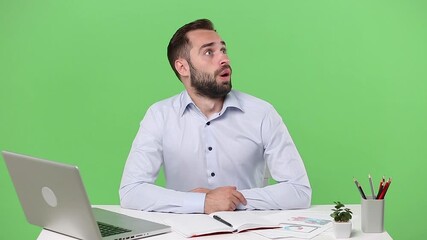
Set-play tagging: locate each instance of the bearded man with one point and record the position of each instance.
(215, 144)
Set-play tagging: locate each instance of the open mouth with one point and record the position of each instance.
(226, 72)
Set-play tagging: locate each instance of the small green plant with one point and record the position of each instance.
(340, 213)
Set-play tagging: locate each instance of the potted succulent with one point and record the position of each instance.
(342, 223)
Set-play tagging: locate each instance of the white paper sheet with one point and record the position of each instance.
(297, 224)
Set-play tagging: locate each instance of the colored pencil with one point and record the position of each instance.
(384, 191)
(372, 186)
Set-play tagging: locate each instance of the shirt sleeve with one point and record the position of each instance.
(292, 190)
(138, 189)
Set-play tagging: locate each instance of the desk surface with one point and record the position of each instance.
(158, 217)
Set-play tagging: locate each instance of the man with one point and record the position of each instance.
(215, 144)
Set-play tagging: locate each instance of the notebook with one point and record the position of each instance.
(53, 196)
(195, 225)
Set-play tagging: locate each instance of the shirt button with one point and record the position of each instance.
(208, 123)
(210, 148)
(212, 174)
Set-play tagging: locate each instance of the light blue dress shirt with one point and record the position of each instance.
(232, 148)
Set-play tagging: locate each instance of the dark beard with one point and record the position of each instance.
(205, 84)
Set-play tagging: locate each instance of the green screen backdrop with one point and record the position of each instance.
(348, 77)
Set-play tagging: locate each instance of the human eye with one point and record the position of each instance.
(208, 52)
(224, 50)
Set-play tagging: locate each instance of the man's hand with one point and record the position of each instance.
(222, 199)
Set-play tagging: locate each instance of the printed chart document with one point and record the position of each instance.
(193, 225)
(298, 224)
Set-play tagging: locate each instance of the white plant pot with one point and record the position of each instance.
(342, 229)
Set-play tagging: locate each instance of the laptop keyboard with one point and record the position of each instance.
(108, 230)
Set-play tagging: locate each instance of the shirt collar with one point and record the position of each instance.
(231, 101)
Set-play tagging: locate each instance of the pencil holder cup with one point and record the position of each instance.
(372, 215)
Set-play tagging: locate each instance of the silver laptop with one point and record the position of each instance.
(53, 196)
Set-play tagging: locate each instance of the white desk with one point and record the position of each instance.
(158, 217)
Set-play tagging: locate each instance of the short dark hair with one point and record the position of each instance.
(179, 45)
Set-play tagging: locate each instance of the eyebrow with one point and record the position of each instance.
(210, 45)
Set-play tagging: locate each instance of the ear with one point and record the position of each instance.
(182, 67)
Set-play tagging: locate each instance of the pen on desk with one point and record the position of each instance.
(360, 188)
(372, 186)
(222, 220)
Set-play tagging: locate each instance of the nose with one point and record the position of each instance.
(224, 60)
